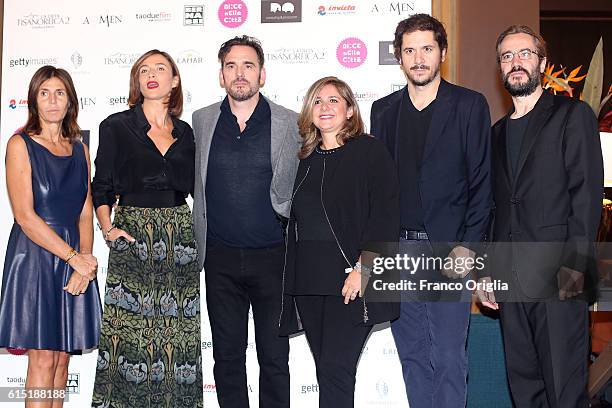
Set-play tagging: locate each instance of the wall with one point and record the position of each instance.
(480, 23)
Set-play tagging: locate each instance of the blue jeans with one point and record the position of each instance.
(431, 340)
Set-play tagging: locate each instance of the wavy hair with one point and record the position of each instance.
(70, 127)
(175, 101)
(310, 134)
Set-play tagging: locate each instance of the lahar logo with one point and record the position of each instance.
(281, 11)
(351, 52)
(233, 13)
(193, 15)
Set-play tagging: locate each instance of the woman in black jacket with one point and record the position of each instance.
(345, 205)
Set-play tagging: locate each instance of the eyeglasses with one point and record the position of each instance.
(524, 55)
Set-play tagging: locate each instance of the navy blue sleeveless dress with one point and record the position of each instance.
(35, 311)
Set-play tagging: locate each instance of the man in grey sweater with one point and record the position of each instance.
(246, 160)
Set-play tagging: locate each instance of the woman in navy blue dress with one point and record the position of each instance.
(50, 303)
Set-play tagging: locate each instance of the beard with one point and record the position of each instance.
(245, 92)
(426, 80)
(522, 88)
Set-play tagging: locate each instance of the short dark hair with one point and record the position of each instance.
(523, 29)
(70, 127)
(241, 40)
(419, 22)
(175, 102)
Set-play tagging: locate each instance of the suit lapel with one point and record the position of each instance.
(439, 118)
(541, 112)
(209, 123)
(501, 150)
(278, 132)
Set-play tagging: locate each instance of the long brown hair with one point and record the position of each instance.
(310, 134)
(70, 128)
(175, 101)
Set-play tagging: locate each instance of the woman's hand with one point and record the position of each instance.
(86, 265)
(117, 233)
(91, 259)
(352, 286)
(77, 284)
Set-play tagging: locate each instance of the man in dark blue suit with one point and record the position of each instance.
(439, 135)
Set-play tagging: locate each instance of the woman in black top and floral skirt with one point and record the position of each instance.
(345, 205)
(150, 353)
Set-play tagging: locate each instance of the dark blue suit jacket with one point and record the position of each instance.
(455, 175)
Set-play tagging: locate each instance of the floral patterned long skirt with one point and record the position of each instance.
(150, 350)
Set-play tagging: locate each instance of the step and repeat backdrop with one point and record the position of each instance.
(303, 40)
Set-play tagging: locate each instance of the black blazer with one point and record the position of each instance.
(455, 181)
(362, 201)
(554, 197)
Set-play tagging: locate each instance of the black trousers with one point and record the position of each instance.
(547, 346)
(236, 278)
(336, 345)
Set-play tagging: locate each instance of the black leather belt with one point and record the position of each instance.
(413, 235)
(153, 199)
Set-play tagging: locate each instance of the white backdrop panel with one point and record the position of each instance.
(97, 42)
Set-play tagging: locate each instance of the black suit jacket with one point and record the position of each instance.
(361, 198)
(455, 180)
(554, 198)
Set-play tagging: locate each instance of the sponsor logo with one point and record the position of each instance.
(389, 350)
(393, 8)
(18, 103)
(297, 55)
(117, 100)
(76, 59)
(385, 53)
(344, 9)
(107, 20)
(308, 388)
(86, 102)
(121, 59)
(189, 57)
(188, 97)
(397, 87)
(281, 11)
(210, 388)
(73, 384)
(34, 62)
(206, 345)
(366, 96)
(382, 389)
(232, 13)
(16, 380)
(351, 52)
(154, 17)
(193, 15)
(42, 20)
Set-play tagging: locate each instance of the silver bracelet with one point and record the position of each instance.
(363, 270)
